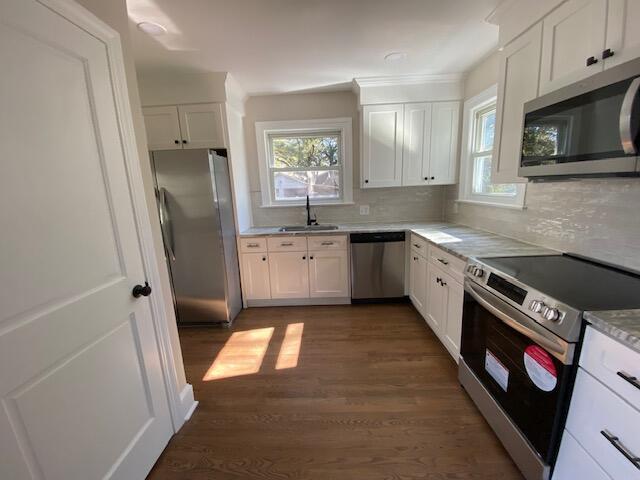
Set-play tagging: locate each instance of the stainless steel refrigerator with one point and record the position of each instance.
(193, 191)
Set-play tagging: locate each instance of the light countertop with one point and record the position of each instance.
(623, 325)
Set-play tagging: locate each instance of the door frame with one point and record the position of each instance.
(181, 403)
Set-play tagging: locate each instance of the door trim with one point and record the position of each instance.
(181, 402)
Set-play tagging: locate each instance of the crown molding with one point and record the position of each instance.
(396, 80)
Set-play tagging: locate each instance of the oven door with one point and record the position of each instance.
(524, 367)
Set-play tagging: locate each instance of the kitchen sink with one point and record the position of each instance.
(307, 228)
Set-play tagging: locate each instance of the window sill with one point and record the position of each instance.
(313, 205)
(492, 204)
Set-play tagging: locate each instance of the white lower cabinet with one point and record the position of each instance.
(575, 463)
(418, 281)
(289, 274)
(328, 273)
(453, 324)
(436, 309)
(255, 276)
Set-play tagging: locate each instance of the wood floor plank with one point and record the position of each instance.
(374, 396)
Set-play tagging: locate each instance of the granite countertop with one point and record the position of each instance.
(461, 241)
(623, 325)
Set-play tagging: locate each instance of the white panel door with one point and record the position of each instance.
(201, 125)
(416, 144)
(574, 463)
(382, 128)
(289, 274)
(329, 274)
(517, 84)
(444, 143)
(436, 308)
(453, 323)
(572, 33)
(163, 128)
(418, 282)
(81, 385)
(255, 276)
(623, 34)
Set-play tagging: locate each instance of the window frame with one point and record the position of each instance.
(472, 107)
(341, 126)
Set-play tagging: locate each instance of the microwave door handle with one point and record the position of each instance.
(518, 321)
(165, 224)
(627, 137)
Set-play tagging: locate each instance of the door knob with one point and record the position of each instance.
(141, 291)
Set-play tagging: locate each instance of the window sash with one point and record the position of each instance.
(309, 134)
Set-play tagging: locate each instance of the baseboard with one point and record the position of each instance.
(188, 403)
(290, 302)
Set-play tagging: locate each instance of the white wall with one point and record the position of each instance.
(172, 88)
(597, 218)
(386, 204)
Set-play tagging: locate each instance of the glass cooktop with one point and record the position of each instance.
(583, 284)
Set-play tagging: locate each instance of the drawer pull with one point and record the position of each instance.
(326, 243)
(629, 378)
(615, 441)
(253, 245)
(286, 244)
(444, 262)
(416, 245)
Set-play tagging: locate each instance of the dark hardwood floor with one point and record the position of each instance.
(374, 396)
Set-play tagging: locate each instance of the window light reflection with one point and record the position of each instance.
(290, 349)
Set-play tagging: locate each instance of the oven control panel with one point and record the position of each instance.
(547, 312)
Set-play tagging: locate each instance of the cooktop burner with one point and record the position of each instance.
(580, 283)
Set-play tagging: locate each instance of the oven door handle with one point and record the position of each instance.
(627, 137)
(560, 349)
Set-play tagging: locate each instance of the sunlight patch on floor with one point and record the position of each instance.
(290, 349)
(241, 355)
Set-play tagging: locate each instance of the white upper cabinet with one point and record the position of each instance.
(382, 127)
(416, 148)
(573, 39)
(623, 34)
(201, 125)
(517, 84)
(444, 142)
(163, 127)
(328, 273)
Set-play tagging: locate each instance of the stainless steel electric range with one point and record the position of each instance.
(521, 330)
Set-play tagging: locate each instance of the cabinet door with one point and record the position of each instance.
(416, 147)
(418, 282)
(201, 125)
(329, 273)
(163, 128)
(571, 34)
(444, 143)
(289, 274)
(453, 323)
(517, 83)
(255, 276)
(436, 307)
(381, 146)
(623, 34)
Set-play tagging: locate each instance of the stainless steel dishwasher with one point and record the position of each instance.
(377, 266)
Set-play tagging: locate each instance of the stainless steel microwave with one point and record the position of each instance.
(587, 129)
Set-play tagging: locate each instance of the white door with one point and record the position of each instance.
(623, 34)
(382, 146)
(416, 144)
(444, 143)
(453, 324)
(80, 379)
(517, 84)
(289, 274)
(201, 125)
(163, 128)
(436, 300)
(418, 282)
(329, 274)
(572, 34)
(255, 276)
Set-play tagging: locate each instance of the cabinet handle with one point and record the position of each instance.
(438, 279)
(629, 378)
(591, 61)
(264, 259)
(607, 53)
(184, 141)
(444, 262)
(615, 441)
(177, 142)
(304, 257)
(252, 245)
(326, 243)
(417, 245)
(287, 244)
(311, 257)
(415, 258)
(426, 178)
(366, 181)
(444, 284)
(433, 178)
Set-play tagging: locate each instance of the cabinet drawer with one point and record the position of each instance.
(609, 361)
(419, 245)
(596, 409)
(452, 265)
(327, 242)
(253, 245)
(287, 244)
(573, 462)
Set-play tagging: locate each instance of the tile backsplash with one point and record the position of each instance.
(596, 218)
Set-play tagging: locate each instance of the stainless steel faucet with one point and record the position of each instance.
(310, 221)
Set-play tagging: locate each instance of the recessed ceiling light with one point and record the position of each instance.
(395, 57)
(152, 29)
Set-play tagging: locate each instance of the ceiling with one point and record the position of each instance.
(275, 46)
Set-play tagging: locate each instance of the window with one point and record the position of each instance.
(475, 171)
(300, 158)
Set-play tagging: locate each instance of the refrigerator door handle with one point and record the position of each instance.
(165, 224)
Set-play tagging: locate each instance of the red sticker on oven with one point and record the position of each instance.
(540, 367)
